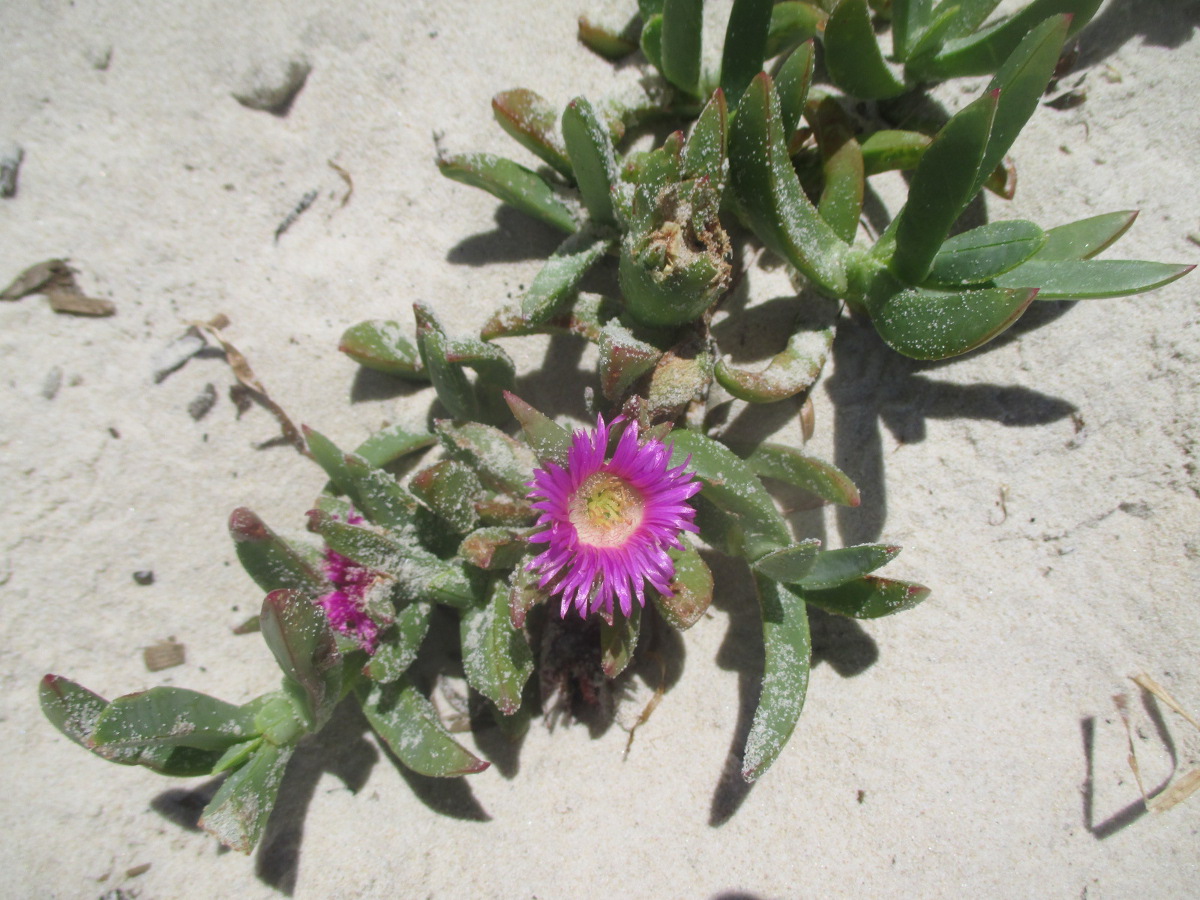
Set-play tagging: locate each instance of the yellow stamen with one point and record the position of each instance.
(605, 510)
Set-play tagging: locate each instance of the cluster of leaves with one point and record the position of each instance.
(775, 154)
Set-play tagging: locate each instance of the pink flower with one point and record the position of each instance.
(345, 605)
(608, 525)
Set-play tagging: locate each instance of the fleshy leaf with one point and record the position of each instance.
(494, 548)
(705, 152)
(299, 636)
(533, 123)
(496, 656)
(591, 152)
(557, 282)
(790, 564)
(868, 598)
(618, 641)
(1091, 278)
(982, 253)
(888, 150)
(909, 20)
(682, 24)
(788, 655)
(511, 183)
(451, 490)
(831, 568)
(548, 439)
(793, 23)
(389, 444)
(272, 562)
(408, 723)
(792, 83)
(792, 370)
(623, 359)
(523, 595)
(453, 387)
(852, 54)
(842, 196)
(382, 345)
(608, 42)
(393, 657)
(794, 467)
(1085, 238)
(929, 324)
(651, 40)
(691, 590)
(237, 814)
(502, 463)
(745, 45)
(172, 716)
(769, 191)
(733, 487)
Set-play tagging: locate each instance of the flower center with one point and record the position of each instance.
(605, 510)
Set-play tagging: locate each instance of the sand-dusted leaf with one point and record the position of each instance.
(852, 54)
(298, 635)
(172, 716)
(591, 153)
(523, 594)
(408, 723)
(792, 23)
(831, 568)
(682, 24)
(611, 43)
(549, 440)
(792, 370)
(704, 154)
(732, 485)
(868, 597)
(795, 467)
(982, 253)
(511, 183)
(394, 655)
(924, 323)
(382, 345)
(494, 367)
(1087, 237)
(842, 164)
(451, 490)
(889, 150)
(453, 387)
(910, 18)
(502, 463)
(394, 442)
(790, 564)
(533, 123)
(983, 51)
(385, 501)
(1087, 279)
(788, 655)
(650, 40)
(618, 641)
(792, 84)
(557, 283)
(691, 590)
(769, 191)
(972, 14)
(496, 656)
(71, 708)
(745, 45)
(932, 39)
(942, 186)
(235, 757)
(624, 359)
(495, 547)
(271, 561)
(237, 814)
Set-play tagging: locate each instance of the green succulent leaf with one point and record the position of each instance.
(705, 154)
(793, 23)
(386, 502)
(682, 24)
(298, 635)
(618, 641)
(792, 84)
(235, 757)
(392, 658)
(792, 370)
(496, 656)
(533, 123)
(732, 486)
(794, 467)
(831, 568)
(909, 19)
(557, 282)
(745, 45)
(71, 708)
(941, 188)
(769, 192)
(451, 490)
(1090, 278)
(623, 359)
(382, 345)
(972, 14)
(611, 43)
(983, 51)
(691, 590)
(510, 183)
(1085, 238)
(523, 595)
(494, 548)
(591, 152)
(549, 440)
(932, 39)
(238, 812)
(842, 196)
(408, 723)
(790, 564)
(889, 150)
(869, 597)
(392, 443)
(853, 57)
(272, 562)
(788, 656)
(453, 387)
(651, 40)
(982, 253)
(175, 717)
(502, 463)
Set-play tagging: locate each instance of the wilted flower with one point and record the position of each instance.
(608, 524)
(345, 605)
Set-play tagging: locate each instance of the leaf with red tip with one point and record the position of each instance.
(533, 123)
(612, 44)
(618, 641)
(510, 183)
(794, 467)
(831, 568)
(298, 635)
(523, 595)
(548, 439)
(494, 548)
(238, 812)
(853, 57)
(408, 723)
(792, 370)
(382, 345)
(691, 590)
(1090, 279)
(869, 597)
(272, 562)
(496, 656)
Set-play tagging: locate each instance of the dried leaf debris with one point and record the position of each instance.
(56, 280)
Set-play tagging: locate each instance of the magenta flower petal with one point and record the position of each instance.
(345, 605)
(608, 524)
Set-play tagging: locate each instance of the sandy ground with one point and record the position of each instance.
(1046, 489)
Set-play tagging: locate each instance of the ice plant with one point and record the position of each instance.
(608, 524)
(345, 605)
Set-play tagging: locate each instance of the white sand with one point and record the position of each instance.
(954, 765)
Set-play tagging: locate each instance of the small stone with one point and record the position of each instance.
(98, 55)
(143, 577)
(11, 155)
(272, 85)
(164, 655)
(52, 382)
(204, 401)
